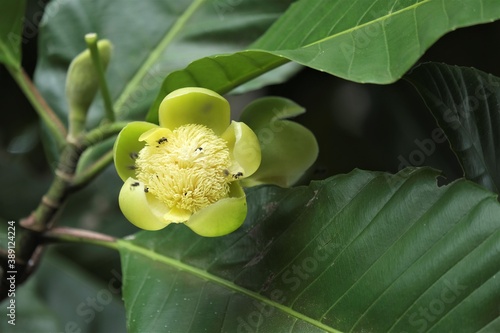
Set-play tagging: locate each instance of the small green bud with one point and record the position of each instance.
(82, 84)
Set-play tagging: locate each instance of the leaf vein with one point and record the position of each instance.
(340, 253)
(381, 18)
(202, 274)
(444, 273)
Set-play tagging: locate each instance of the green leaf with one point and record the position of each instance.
(362, 252)
(221, 73)
(369, 42)
(360, 41)
(150, 40)
(466, 105)
(11, 24)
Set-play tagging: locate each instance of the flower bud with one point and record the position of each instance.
(82, 84)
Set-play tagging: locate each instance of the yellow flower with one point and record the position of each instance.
(187, 170)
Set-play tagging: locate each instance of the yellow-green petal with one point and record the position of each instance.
(288, 148)
(127, 146)
(222, 217)
(244, 148)
(177, 215)
(155, 136)
(195, 106)
(285, 161)
(140, 208)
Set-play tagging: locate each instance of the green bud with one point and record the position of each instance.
(82, 84)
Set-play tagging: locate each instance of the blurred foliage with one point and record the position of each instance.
(357, 126)
(63, 297)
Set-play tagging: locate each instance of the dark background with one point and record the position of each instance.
(371, 127)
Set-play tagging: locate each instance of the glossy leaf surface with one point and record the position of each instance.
(360, 252)
(369, 42)
(360, 41)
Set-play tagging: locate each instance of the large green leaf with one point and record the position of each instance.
(466, 105)
(11, 23)
(363, 252)
(362, 41)
(375, 41)
(221, 73)
(150, 38)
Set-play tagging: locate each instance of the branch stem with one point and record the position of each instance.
(83, 177)
(86, 176)
(72, 235)
(48, 116)
(102, 133)
(43, 216)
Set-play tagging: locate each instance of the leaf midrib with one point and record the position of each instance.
(182, 20)
(202, 274)
(357, 27)
(10, 58)
(155, 54)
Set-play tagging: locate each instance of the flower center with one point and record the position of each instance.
(185, 168)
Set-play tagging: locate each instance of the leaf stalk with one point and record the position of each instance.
(91, 40)
(48, 116)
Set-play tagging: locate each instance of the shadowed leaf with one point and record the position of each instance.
(362, 252)
(466, 105)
